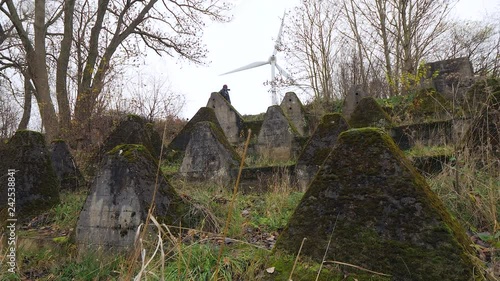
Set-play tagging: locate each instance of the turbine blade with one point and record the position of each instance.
(250, 66)
(282, 71)
(278, 39)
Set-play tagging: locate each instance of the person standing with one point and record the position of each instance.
(225, 93)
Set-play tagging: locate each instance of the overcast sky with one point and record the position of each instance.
(248, 38)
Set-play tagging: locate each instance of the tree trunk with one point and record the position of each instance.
(62, 70)
(28, 92)
(382, 12)
(2, 35)
(38, 71)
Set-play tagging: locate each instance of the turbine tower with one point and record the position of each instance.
(272, 62)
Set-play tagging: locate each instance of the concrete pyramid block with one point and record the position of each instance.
(451, 77)
(120, 197)
(296, 112)
(229, 118)
(378, 213)
(65, 167)
(208, 156)
(368, 113)
(131, 130)
(276, 139)
(180, 142)
(26, 160)
(318, 147)
(352, 99)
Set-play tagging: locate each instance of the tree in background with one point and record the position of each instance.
(311, 47)
(364, 42)
(477, 40)
(2, 35)
(14, 79)
(77, 44)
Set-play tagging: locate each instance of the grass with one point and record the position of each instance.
(256, 218)
(470, 192)
(421, 150)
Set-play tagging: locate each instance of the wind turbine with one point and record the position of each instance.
(272, 62)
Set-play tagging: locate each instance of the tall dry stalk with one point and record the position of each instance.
(231, 206)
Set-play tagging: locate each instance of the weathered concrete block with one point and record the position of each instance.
(229, 118)
(36, 186)
(451, 77)
(436, 133)
(65, 167)
(181, 140)
(429, 104)
(132, 130)
(368, 113)
(295, 111)
(318, 147)
(208, 156)
(352, 99)
(276, 140)
(378, 213)
(120, 197)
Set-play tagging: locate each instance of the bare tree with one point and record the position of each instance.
(13, 68)
(2, 34)
(155, 100)
(477, 40)
(167, 27)
(404, 32)
(311, 49)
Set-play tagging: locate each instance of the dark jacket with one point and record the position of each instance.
(225, 94)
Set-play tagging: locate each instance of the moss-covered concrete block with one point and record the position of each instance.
(296, 112)
(131, 130)
(378, 213)
(318, 147)
(65, 167)
(276, 139)
(120, 197)
(428, 104)
(208, 156)
(368, 113)
(229, 118)
(181, 140)
(36, 184)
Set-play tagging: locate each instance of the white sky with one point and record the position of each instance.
(248, 38)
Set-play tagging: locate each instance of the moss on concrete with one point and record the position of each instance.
(37, 186)
(180, 142)
(428, 104)
(380, 213)
(65, 166)
(368, 113)
(138, 164)
(323, 140)
(221, 138)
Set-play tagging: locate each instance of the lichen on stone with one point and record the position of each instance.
(379, 213)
